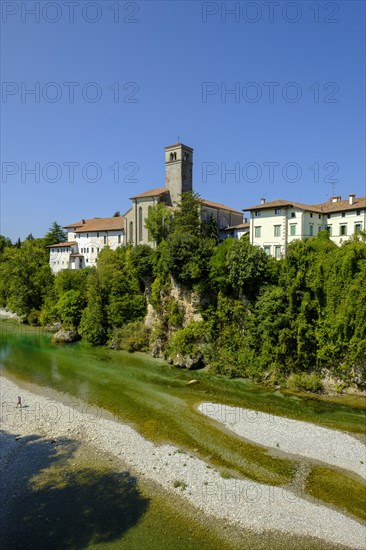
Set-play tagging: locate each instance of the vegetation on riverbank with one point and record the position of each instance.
(227, 306)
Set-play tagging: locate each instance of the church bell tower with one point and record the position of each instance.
(178, 170)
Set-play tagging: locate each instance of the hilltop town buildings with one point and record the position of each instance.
(86, 238)
(273, 225)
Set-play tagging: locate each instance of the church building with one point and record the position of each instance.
(178, 180)
(86, 238)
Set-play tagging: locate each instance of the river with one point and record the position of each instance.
(155, 399)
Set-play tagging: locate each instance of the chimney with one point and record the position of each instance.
(351, 199)
(83, 221)
(335, 199)
(263, 200)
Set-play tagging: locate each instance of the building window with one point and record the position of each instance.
(98, 249)
(277, 211)
(119, 239)
(267, 250)
(140, 223)
(329, 229)
(257, 213)
(358, 227)
(257, 232)
(92, 250)
(105, 239)
(311, 214)
(343, 214)
(186, 156)
(98, 234)
(293, 214)
(328, 216)
(293, 229)
(277, 230)
(277, 252)
(358, 213)
(87, 235)
(320, 216)
(131, 232)
(343, 230)
(311, 230)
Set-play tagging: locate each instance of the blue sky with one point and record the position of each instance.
(293, 126)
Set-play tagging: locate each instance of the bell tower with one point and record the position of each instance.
(178, 170)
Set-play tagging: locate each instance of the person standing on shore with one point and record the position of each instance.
(19, 402)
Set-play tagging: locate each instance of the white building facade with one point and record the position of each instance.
(274, 225)
(85, 239)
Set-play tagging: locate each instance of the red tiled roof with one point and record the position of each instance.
(239, 226)
(59, 245)
(152, 193)
(102, 224)
(359, 202)
(76, 224)
(218, 206)
(323, 207)
(282, 203)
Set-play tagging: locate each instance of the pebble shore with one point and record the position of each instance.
(292, 436)
(243, 503)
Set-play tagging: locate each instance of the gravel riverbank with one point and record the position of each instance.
(243, 503)
(292, 436)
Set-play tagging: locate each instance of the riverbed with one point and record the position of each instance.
(148, 403)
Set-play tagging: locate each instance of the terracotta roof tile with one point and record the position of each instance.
(238, 226)
(76, 224)
(152, 193)
(359, 202)
(102, 224)
(279, 203)
(218, 206)
(70, 243)
(323, 207)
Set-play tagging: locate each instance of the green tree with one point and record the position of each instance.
(211, 230)
(159, 222)
(93, 325)
(219, 264)
(4, 243)
(70, 308)
(247, 268)
(187, 219)
(25, 277)
(56, 234)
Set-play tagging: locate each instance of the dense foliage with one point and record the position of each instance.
(282, 321)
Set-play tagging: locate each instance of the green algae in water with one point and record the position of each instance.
(154, 398)
(343, 489)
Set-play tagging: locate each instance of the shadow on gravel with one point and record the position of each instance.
(46, 503)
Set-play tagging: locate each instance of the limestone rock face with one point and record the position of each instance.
(192, 361)
(187, 302)
(53, 327)
(65, 336)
